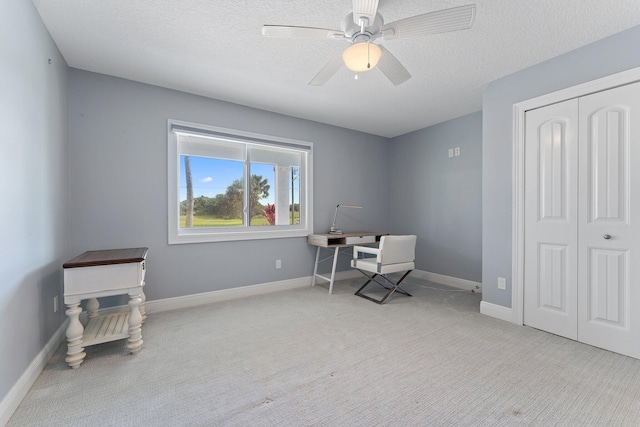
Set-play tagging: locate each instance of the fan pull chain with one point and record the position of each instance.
(362, 23)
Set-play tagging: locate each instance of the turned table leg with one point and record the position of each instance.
(143, 312)
(75, 351)
(134, 343)
(92, 308)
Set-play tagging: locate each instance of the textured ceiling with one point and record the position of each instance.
(215, 48)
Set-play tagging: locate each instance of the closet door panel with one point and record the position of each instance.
(609, 287)
(607, 145)
(609, 229)
(550, 300)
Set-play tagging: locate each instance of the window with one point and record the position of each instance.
(231, 185)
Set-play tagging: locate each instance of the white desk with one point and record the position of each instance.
(335, 242)
(96, 274)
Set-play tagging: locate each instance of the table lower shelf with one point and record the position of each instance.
(106, 328)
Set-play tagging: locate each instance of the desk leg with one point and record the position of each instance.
(333, 270)
(315, 269)
(134, 343)
(75, 351)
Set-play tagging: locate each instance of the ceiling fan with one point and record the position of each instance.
(362, 27)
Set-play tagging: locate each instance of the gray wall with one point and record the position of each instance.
(33, 184)
(439, 198)
(118, 182)
(608, 56)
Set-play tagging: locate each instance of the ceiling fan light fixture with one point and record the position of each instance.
(361, 57)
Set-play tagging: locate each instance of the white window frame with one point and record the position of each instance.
(179, 235)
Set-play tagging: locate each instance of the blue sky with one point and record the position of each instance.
(212, 176)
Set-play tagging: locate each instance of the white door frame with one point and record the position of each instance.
(517, 221)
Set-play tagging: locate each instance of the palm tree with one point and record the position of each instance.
(235, 193)
(188, 223)
(259, 190)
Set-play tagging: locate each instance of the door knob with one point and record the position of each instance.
(607, 236)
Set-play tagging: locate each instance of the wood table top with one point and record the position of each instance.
(107, 257)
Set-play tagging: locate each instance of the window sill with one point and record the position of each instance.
(201, 236)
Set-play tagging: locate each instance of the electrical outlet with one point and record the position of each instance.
(457, 151)
(55, 304)
(502, 283)
(278, 263)
(450, 152)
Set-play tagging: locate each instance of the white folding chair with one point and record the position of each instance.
(395, 254)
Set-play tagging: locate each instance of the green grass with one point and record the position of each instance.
(211, 221)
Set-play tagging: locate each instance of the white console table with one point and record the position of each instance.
(96, 274)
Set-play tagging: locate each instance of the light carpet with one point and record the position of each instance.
(306, 358)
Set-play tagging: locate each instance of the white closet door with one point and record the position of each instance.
(551, 227)
(609, 220)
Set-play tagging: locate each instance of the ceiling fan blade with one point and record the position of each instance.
(284, 31)
(327, 71)
(392, 68)
(365, 9)
(441, 21)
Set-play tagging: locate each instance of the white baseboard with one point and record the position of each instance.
(187, 301)
(497, 311)
(454, 282)
(20, 389)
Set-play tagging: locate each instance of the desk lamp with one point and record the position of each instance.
(333, 226)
